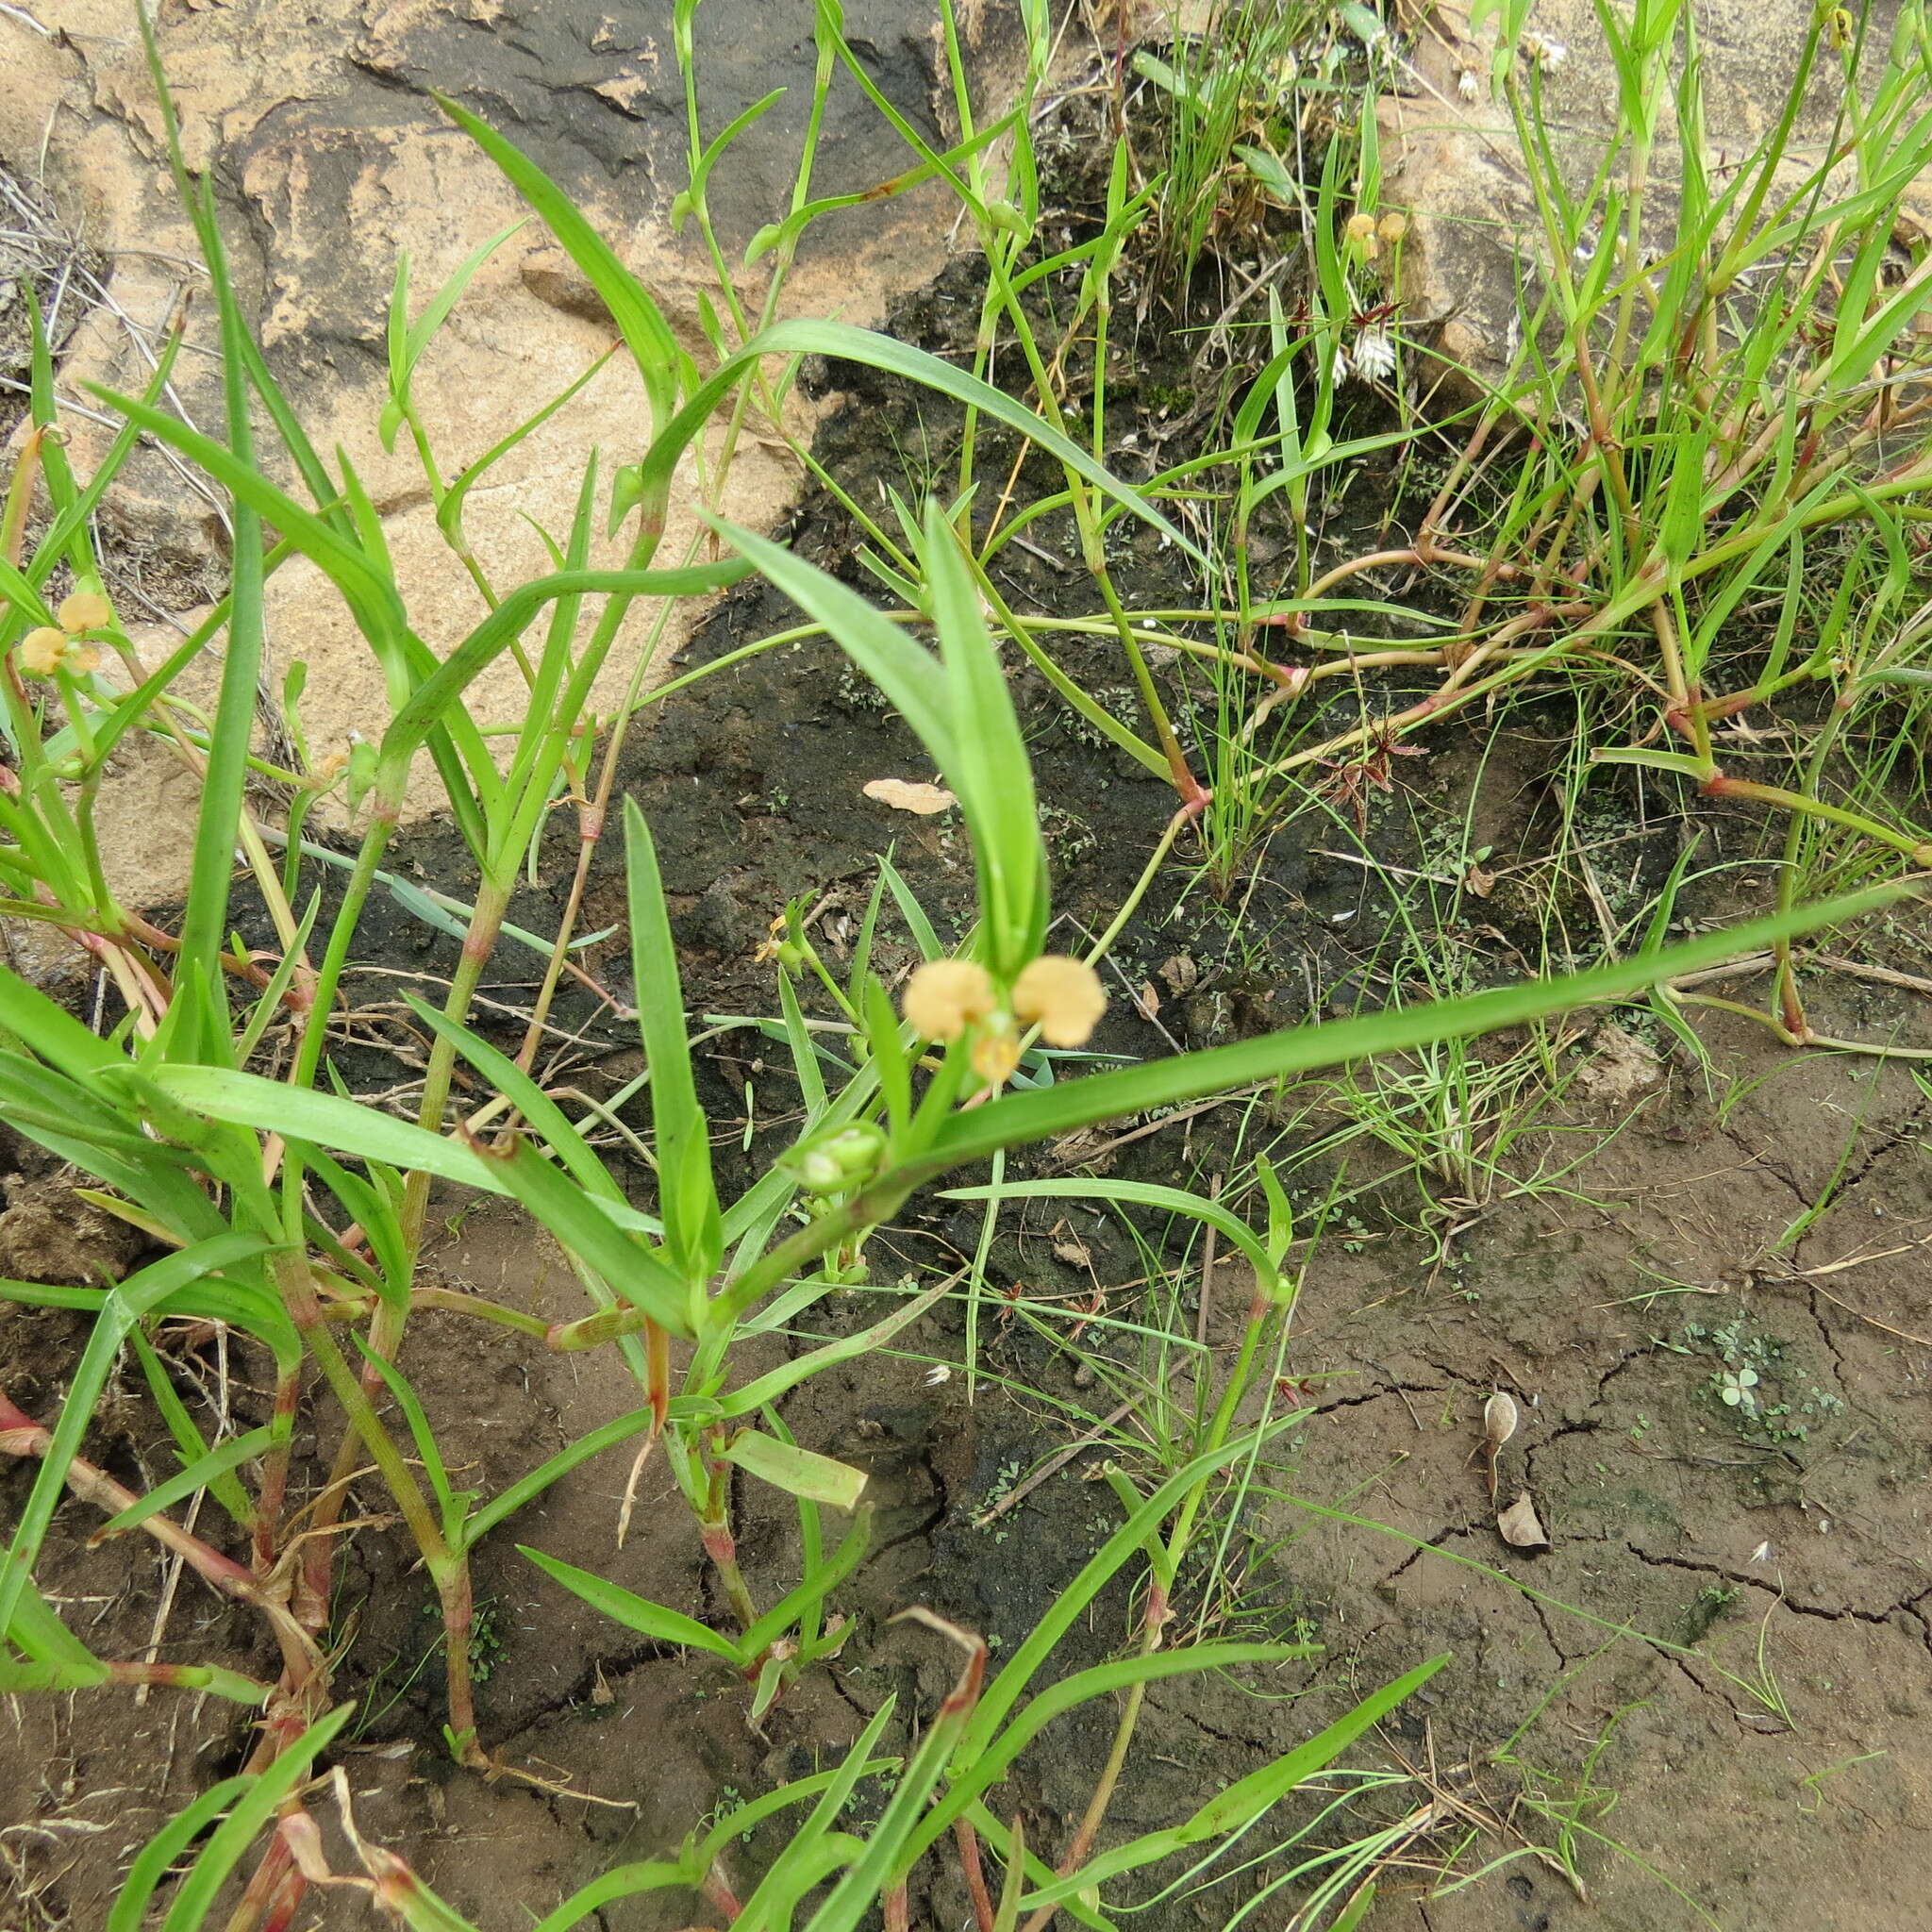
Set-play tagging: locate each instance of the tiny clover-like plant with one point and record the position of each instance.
(1738, 1388)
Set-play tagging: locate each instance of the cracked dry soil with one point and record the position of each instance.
(1724, 1662)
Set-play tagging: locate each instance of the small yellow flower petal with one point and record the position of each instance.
(995, 1056)
(1361, 227)
(946, 997)
(1392, 227)
(1063, 997)
(41, 650)
(83, 659)
(84, 610)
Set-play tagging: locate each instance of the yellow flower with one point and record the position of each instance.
(84, 610)
(1392, 227)
(1063, 997)
(946, 997)
(42, 651)
(83, 659)
(995, 1056)
(1362, 231)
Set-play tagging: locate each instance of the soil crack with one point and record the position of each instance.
(1826, 1612)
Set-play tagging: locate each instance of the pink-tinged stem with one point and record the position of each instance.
(20, 1435)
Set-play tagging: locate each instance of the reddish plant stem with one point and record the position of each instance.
(20, 1435)
(720, 1893)
(968, 1840)
(275, 1472)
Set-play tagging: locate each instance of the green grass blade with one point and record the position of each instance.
(802, 336)
(769, 1388)
(821, 1578)
(205, 917)
(1005, 1689)
(559, 1133)
(624, 1881)
(1142, 1194)
(36, 1629)
(661, 364)
(124, 1307)
(970, 1781)
(449, 1504)
(778, 1892)
(372, 599)
(797, 1471)
(908, 673)
(526, 1489)
(1044, 1112)
(693, 1229)
(853, 1897)
(202, 1473)
(583, 1224)
(441, 690)
(1241, 1803)
(655, 1621)
(156, 1858)
(273, 1106)
(991, 772)
(252, 1809)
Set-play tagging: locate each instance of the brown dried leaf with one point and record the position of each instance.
(1499, 1419)
(1075, 1254)
(1521, 1527)
(1148, 1001)
(1479, 883)
(903, 795)
(1180, 972)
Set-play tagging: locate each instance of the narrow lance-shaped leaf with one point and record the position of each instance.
(655, 1621)
(660, 362)
(693, 1230)
(989, 760)
(802, 336)
(1044, 1112)
(124, 1306)
(200, 1474)
(798, 1471)
(253, 1809)
(1245, 1801)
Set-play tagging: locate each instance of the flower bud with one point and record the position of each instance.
(1003, 215)
(842, 1159)
(995, 1056)
(820, 1171)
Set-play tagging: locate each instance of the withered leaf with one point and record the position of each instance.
(903, 795)
(1521, 1527)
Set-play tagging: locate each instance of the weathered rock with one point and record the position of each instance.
(330, 159)
(1452, 159)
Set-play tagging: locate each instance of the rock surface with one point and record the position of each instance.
(1451, 156)
(329, 159)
